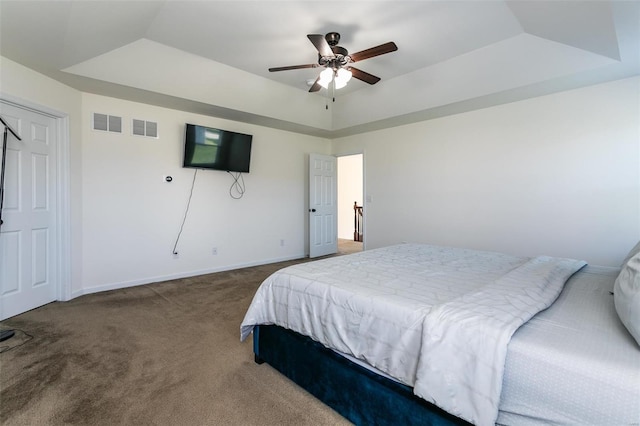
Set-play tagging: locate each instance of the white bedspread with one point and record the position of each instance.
(376, 305)
(372, 304)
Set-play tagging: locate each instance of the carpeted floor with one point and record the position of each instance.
(348, 246)
(159, 354)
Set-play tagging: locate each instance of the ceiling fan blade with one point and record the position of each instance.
(364, 76)
(374, 51)
(321, 44)
(315, 86)
(293, 67)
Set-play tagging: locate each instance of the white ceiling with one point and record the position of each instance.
(212, 57)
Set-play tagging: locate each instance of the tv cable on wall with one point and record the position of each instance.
(237, 187)
(186, 211)
(236, 192)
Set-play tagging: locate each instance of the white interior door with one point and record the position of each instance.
(323, 205)
(28, 254)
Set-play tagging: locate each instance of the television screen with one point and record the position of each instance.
(208, 148)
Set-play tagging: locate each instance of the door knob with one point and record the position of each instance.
(312, 210)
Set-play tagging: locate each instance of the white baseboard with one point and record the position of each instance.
(157, 279)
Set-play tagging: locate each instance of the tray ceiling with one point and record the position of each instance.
(212, 57)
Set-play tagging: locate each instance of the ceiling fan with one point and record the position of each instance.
(336, 60)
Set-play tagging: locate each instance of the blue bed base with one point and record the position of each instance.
(361, 396)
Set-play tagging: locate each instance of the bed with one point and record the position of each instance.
(421, 334)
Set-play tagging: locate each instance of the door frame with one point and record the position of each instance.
(364, 191)
(63, 212)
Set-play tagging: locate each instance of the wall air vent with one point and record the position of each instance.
(107, 123)
(145, 128)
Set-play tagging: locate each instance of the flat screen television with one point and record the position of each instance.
(216, 149)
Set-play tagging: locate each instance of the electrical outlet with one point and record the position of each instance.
(175, 255)
(281, 243)
(214, 251)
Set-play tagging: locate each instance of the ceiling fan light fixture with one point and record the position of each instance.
(340, 83)
(325, 77)
(342, 78)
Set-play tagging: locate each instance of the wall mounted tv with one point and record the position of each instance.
(216, 149)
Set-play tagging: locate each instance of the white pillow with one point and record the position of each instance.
(635, 250)
(626, 293)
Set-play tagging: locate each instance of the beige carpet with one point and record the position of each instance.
(348, 246)
(160, 354)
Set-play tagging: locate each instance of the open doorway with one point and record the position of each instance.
(350, 198)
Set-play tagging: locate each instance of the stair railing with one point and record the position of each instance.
(357, 222)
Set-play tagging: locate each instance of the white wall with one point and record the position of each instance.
(124, 219)
(132, 217)
(349, 190)
(556, 175)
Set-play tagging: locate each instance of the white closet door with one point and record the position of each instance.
(28, 245)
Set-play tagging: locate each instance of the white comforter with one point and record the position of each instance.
(387, 307)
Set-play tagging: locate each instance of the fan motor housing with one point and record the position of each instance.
(339, 51)
(332, 38)
(341, 58)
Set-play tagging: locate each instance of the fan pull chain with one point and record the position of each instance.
(326, 105)
(331, 94)
(333, 90)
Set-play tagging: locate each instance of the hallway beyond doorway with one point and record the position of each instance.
(350, 191)
(348, 246)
